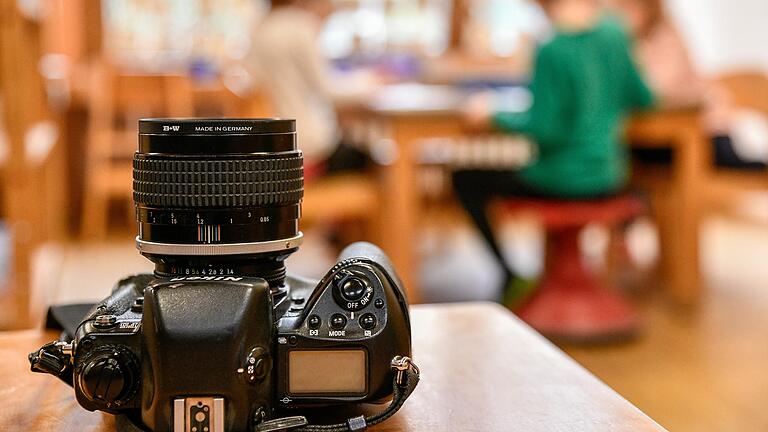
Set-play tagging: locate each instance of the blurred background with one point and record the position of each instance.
(387, 95)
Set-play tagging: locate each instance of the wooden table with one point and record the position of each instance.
(416, 112)
(482, 370)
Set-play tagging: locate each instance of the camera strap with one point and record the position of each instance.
(404, 383)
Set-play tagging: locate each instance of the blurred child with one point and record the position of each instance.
(664, 58)
(298, 80)
(660, 52)
(584, 83)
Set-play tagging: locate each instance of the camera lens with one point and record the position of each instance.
(212, 192)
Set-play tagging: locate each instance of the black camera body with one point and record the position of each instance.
(174, 347)
(219, 338)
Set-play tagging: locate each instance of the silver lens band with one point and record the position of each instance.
(218, 249)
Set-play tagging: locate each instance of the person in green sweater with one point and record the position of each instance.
(584, 83)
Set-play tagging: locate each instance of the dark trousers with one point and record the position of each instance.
(475, 188)
(723, 152)
(347, 158)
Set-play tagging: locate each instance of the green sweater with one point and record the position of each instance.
(583, 86)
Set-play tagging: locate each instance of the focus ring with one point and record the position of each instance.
(218, 182)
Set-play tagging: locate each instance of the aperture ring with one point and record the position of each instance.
(262, 181)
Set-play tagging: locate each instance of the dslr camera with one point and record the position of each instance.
(219, 338)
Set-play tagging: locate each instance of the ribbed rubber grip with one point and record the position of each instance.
(200, 183)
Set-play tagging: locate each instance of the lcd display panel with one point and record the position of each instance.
(327, 371)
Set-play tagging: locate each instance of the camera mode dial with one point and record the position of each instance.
(256, 367)
(352, 291)
(108, 376)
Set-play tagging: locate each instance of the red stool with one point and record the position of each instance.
(570, 303)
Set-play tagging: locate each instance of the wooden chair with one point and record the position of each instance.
(116, 101)
(570, 302)
(336, 198)
(344, 198)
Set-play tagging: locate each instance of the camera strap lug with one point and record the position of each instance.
(52, 358)
(401, 364)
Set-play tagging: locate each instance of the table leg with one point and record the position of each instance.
(680, 224)
(401, 206)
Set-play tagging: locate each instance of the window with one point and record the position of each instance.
(500, 27)
(372, 27)
(163, 34)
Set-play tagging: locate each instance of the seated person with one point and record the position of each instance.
(664, 58)
(584, 83)
(290, 68)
